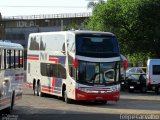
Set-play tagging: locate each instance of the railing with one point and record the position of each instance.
(47, 16)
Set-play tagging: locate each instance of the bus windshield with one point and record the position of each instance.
(98, 73)
(97, 46)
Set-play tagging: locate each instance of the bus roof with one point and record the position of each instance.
(4, 44)
(91, 32)
(76, 32)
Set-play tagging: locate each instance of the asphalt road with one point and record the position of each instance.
(51, 107)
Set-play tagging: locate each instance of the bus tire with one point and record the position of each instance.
(10, 108)
(39, 92)
(104, 102)
(66, 99)
(13, 100)
(34, 87)
(63, 94)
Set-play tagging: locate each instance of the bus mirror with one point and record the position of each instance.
(75, 63)
(125, 64)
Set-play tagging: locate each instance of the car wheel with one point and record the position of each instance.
(143, 89)
(157, 90)
(131, 90)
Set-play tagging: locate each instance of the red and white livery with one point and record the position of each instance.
(75, 65)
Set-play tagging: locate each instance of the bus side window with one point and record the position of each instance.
(19, 58)
(4, 56)
(14, 54)
(53, 70)
(71, 71)
(8, 59)
(12, 59)
(16, 59)
(0, 59)
(64, 49)
(61, 71)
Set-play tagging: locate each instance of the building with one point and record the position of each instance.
(18, 28)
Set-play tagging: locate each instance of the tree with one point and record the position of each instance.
(135, 22)
(92, 4)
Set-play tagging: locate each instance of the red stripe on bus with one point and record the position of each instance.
(47, 90)
(53, 81)
(51, 90)
(54, 59)
(32, 58)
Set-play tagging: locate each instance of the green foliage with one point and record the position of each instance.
(135, 23)
(138, 59)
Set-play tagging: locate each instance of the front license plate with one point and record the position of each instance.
(131, 87)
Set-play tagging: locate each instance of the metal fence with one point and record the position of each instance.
(47, 16)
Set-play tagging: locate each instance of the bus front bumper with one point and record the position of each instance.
(111, 96)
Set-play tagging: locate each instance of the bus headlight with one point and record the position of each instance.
(115, 88)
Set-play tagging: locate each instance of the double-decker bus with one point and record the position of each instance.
(11, 74)
(75, 65)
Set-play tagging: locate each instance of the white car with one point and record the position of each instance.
(135, 70)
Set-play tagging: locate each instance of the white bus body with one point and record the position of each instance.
(11, 74)
(58, 64)
(153, 74)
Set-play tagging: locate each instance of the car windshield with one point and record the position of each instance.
(98, 73)
(137, 77)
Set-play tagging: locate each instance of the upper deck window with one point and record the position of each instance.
(93, 45)
(53, 42)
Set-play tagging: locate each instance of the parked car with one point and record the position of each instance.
(136, 82)
(135, 70)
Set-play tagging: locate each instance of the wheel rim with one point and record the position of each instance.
(143, 89)
(65, 96)
(39, 90)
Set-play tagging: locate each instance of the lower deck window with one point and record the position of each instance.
(53, 70)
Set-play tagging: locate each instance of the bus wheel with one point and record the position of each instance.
(10, 108)
(104, 102)
(34, 87)
(39, 92)
(66, 99)
(13, 100)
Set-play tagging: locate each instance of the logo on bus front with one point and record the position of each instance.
(43, 56)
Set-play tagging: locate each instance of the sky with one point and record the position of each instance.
(37, 7)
